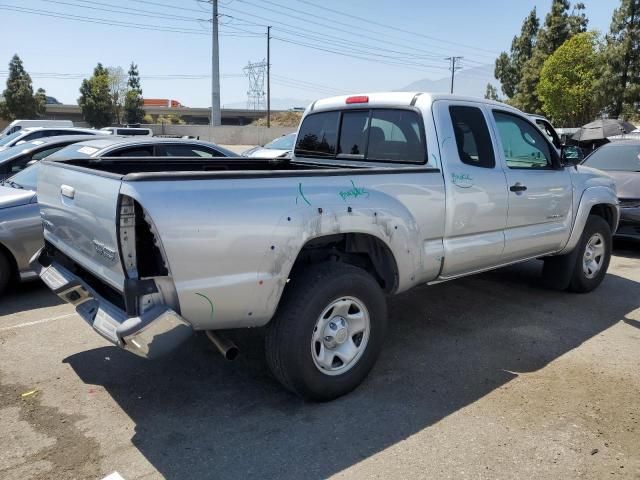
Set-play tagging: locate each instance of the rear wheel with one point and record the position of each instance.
(5, 272)
(327, 332)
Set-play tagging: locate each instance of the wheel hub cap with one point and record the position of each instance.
(335, 332)
(340, 335)
(593, 257)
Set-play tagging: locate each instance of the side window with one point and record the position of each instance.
(395, 135)
(523, 144)
(33, 135)
(45, 153)
(186, 151)
(318, 135)
(353, 133)
(146, 151)
(18, 164)
(71, 132)
(472, 136)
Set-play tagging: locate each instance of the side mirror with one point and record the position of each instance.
(571, 155)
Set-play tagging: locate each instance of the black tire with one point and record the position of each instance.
(580, 282)
(288, 342)
(5, 272)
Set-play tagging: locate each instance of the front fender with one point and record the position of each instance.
(592, 196)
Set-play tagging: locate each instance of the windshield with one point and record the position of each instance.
(615, 157)
(6, 140)
(27, 178)
(282, 143)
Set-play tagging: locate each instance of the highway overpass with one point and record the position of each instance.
(196, 116)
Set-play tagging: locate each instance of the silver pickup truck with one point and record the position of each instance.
(384, 192)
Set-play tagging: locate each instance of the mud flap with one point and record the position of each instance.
(558, 271)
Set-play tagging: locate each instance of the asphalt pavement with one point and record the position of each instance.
(491, 376)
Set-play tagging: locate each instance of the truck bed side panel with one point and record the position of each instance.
(231, 243)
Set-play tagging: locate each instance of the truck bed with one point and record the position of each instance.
(148, 168)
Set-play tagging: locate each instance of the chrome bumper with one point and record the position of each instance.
(150, 335)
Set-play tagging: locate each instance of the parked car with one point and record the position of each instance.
(33, 133)
(21, 232)
(17, 158)
(280, 147)
(621, 160)
(545, 126)
(108, 146)
(128, 131)
(20, 124)
(384, 192)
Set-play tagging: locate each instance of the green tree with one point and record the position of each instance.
(561, 23)
(508, 67)
(95, 98)
(569, 81)
(622, 79)
(171, 119)
(133, 111)
(491, 93)
(118, 91)
(40, 100)
(19, 100)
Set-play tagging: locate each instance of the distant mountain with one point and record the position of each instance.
(471, 82)
(276, 103)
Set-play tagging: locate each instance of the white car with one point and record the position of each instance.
(281, 147)
(128, 131)
(20, 124)
(32, 133)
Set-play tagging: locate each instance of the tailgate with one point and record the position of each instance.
(79, 211)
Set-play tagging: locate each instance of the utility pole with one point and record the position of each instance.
(455, 65)
(216, 116)
(269, 76)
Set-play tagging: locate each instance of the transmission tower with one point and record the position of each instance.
(256, 96)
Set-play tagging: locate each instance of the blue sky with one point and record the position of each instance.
(418, 34)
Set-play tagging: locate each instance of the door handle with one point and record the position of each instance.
(518, 187)
(67, 191)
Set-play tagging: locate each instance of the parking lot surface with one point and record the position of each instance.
(490, 376)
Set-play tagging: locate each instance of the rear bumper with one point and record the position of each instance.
(153, 333)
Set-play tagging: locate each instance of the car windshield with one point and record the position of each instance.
(27, 178)
(282, 143)
(9, 138)
(624, 158)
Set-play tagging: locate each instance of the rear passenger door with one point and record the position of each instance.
(540, 189)
(476, 205)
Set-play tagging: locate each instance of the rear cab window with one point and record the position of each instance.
(376, 134)
(472, 136)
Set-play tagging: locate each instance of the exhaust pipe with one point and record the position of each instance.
(226, 347)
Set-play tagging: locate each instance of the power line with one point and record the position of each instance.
(408, 50)
(115, 23)
(350, 31)
(101, 21)
(390, 27)
(354, 47)
(126, 10)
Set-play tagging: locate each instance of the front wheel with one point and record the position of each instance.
(327, 332)
(593, 255)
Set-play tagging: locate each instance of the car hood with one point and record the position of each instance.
(261, 152)
(14, 197)
(627, 183)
